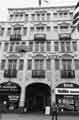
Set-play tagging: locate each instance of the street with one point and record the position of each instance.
(34, 117)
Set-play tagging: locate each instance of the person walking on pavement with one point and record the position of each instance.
(54, 112)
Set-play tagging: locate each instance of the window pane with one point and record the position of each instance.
(76, 62)
(3, 64)
(29, 64)
(62, 46)
(41, 64)
(9, 31)
(36, 63)
(68, 46)
(74, 44)
(31, 45)
(42, 46)
(56, 46)
(6, 45)
(48, 45)
(56, 64)
(24, 30)
(11, 49)
(21, 64)
(48, 64)
(36, 46)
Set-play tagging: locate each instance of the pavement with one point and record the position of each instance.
(34, 117)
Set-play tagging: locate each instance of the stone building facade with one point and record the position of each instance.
(39, 60)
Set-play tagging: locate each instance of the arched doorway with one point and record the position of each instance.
(9, 95)
(37, 97)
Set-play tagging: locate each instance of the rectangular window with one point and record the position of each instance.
(26, 17)
(29, 64)
(57, 64)
(76, 62)
(11, 47)
(32, 29)
(1, 31)
(33, 17)
(6, 45)
(24, 31)
(62, 46)
(74, 44)
(48, 45)
(21, 64)
(68, 47)
(36, 46)
(48, 64)
(3, 62)
(9, 31)
(12, 64)
(39, 64)
(38, 17)
(56, 46)
(31, 45)
(48, 16)
(67, 64)
(42, 46)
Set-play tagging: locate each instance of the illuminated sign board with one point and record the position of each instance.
(67, 91)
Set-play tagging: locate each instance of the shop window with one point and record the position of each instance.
(3, 62)
(48, 64)
(76, 62)
(56, 64)
(56, 46)
(29, 64)
(21, 64)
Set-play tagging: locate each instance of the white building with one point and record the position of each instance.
(39, 58)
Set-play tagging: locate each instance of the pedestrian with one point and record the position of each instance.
(54, 112)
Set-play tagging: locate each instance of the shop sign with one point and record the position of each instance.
(67, 91)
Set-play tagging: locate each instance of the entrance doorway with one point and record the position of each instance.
(38, 96)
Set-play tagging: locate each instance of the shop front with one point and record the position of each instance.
(67, 97)
(9, 95)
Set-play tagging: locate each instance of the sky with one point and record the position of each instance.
(5, 4)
